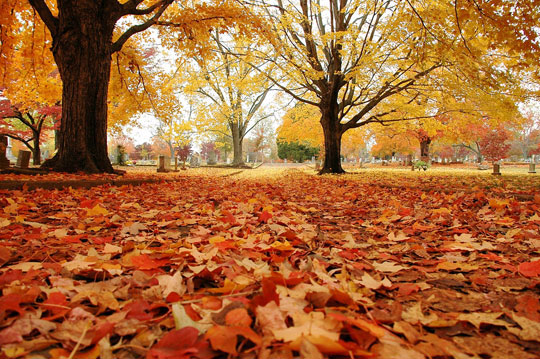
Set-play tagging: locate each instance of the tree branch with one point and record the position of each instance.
(163, 5)
(46, 15)
(130, 8)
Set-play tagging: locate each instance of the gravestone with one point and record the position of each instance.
(4, 162)
(23, 159)
(212, 159)
(532, 167)
(164, 164)
(194, 162)
(496, 169)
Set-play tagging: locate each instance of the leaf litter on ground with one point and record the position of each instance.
(289, 265)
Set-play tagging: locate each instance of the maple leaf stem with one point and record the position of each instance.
(79, 342)
(192, 301)
(138, 347)
(54, 305)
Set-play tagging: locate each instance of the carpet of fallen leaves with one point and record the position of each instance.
(287, 265)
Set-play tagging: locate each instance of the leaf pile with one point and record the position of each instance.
(291, 266)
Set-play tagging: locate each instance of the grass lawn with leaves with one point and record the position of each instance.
(274, 263)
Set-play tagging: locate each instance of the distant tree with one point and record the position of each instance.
(224, 144)
(235, 93)
(389, 143)
(143, 151)
(487, 142)
(28, 126)
(494, 144)
(209, 149)
(183, 152)
(123, 141)
(262, 139)
(536, 151)
(451, 152)
(527, 135)
(296, 151)
(160, 147)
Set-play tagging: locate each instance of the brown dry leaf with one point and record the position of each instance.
(388, 267)
(530, 330)
(312, 324)
(309, 351)
(477, 319)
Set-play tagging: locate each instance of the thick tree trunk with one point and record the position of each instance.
(332, 143)
(237, 137)
(82, 50)
(56, 139)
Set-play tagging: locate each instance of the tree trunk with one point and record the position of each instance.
(171, 149)
(238, 159)
(36, 151)
(82, 50)
(56, 139)
(332, 143)
(479, 157)
(424, 149)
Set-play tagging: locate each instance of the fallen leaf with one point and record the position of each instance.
(530, 269)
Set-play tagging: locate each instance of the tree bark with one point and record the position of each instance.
(238, 139)
(332, 142)
(82, 49)
(36, 150)
(424, 149)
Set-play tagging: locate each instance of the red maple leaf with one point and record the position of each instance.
(181, 344)
(530, 269)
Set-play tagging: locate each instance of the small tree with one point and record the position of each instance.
(28, 126)
(183, 152)
(494, 144)
(209, 152)
(296, 151)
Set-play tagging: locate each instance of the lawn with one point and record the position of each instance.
(275, 262)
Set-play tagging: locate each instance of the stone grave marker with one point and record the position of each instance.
(212, 159)
(164, 164)
(496, 169)
(23, 159)
(194, 162)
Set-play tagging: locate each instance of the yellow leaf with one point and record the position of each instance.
(96, 211)
(282, 246)
(60, 353)
(216, 239)
(13, 352)
(228, 287)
